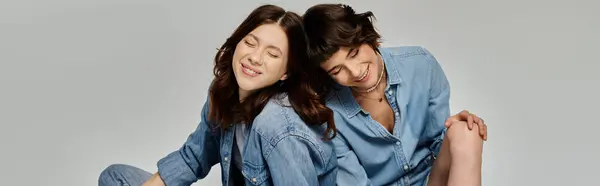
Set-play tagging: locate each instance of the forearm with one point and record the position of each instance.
(155, 180)
(441, 166)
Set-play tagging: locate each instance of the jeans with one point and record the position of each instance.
(123, 175)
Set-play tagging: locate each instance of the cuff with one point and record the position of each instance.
(437, 144)
(173, 170)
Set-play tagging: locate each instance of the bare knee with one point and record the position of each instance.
(463, 140)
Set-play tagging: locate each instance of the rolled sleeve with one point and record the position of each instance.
(194, 159)
(173, 170)
(437, 144)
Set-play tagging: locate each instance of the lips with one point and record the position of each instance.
(249, 71)
(364, 76)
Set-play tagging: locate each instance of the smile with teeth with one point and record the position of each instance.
(249, 71)
(364, 74)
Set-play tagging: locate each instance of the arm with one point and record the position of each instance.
(192, 161)
(437, 112)
(295, 160)
(439, 104)
(350, 171)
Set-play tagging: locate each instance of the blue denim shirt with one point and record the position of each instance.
(280, 150)
(418, 93)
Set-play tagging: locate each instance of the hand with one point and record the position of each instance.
(470, 119)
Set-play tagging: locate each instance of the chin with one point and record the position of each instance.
(247, 86)
(365, 85)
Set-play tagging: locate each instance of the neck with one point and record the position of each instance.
(377, 91)
(243, 94)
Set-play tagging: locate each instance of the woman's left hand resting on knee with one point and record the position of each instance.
(470, 119)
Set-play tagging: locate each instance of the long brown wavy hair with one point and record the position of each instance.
(225, 107)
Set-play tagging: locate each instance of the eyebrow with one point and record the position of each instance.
(270, 46)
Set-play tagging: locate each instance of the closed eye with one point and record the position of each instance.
(273, 55)
(336, 70)
(248, 43)
(355, 53)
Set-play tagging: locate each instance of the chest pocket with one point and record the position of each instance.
(256, 174)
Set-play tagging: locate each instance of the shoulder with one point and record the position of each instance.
(405, 51)
(408, 55)
(278, 120)
(409, 61)
(416, 55)
(278, 125)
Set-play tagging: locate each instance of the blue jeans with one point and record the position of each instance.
(123, 175)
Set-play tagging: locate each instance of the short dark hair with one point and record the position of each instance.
(225, 107)
(331, 26)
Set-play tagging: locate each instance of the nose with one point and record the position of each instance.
(255, 58)
(354, 70)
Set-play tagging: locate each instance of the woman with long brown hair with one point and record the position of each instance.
(263, 121)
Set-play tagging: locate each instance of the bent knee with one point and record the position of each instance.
(460, 135)
(110, 173)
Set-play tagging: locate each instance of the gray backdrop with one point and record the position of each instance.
(84, 84)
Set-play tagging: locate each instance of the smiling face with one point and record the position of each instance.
(358, 67)
(260, 58)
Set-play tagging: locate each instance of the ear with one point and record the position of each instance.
(284, 77)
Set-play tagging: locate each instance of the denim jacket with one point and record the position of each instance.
(418, 93)
(280, 150)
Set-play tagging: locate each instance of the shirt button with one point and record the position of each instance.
(225, 158)
(396, 113)
(405, 167)
(253, 179)
(390, 92)
(397, 143)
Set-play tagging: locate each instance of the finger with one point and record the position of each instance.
(470, 122)
(476, 119)
(484, 129)
(448, 122)
(464, 114)
(451, 120)
(479, 123)
(481, 130)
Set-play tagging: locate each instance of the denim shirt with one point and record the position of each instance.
(418, 93)
(280, 149)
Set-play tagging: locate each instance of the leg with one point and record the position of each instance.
(459, 160)
(123, 175)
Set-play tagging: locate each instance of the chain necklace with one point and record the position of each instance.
(378, 80)
(380, 99)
